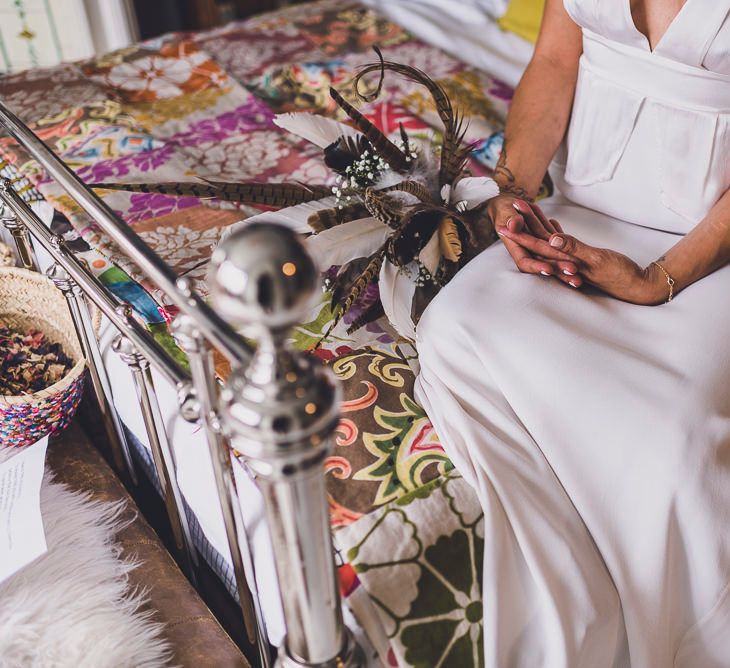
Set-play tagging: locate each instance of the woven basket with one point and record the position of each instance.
(29, 300)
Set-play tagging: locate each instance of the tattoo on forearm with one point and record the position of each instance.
(507, 180)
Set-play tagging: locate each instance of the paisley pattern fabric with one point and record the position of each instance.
(202, 105)
(385, 446)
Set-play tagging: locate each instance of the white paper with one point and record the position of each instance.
(22, 538)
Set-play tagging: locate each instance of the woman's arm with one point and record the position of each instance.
(540, 110)
(706, 248)
(703, 250)
(536, 124)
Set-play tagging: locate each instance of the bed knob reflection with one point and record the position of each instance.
(262, 278)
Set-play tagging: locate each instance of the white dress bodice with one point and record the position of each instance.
(649, 136)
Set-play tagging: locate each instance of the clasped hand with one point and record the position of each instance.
(538, 245)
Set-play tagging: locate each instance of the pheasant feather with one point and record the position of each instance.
(268, 194)
(381, 207)
(368, 276)
(449, 239)
(385, 148)
(414, 188)
(325, 219)
(370, 314)
(453, 152)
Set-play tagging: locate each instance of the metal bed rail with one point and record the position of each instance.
(278, 407)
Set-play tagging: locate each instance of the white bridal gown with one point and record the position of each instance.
(597, 433)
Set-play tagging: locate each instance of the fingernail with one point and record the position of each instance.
(572, 284)
(516, 206)
(545, 273)
(557, 242)
(568, 273)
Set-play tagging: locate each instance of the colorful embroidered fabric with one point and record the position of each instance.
(420, 560)
(182, 106)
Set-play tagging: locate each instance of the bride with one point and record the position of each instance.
(579, 373)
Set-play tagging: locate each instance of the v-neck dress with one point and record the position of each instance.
(595, 432)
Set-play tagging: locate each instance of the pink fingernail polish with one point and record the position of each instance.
(545, 273)
(575, 285)
(515, 206)
(568, 273)
(557, 242)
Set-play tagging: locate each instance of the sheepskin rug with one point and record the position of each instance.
(73, 607)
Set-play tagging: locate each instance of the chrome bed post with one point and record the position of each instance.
(279, 408)
(162, 454)
(279, 411)
(99, 380)
(20, 237)
(206, 395)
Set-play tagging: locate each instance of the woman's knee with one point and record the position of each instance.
(442, 316)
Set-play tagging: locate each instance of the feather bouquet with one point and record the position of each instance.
(400, 213)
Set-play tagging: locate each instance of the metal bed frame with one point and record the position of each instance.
(278, 408)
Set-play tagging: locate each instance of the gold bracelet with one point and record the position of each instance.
(670, 281)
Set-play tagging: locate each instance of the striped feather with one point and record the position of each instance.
(385, 148)
(358, 287)
(371, 272)
(268, 194)
(449, 239)
(453, 153)
(325, 219)
(381, 207)
(372, 313)
(414, 188)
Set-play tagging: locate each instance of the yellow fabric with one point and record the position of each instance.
(523, 17)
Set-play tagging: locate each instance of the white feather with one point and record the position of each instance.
(349, 241)
(313, 127)
(431, 254)
(294, 217)
(446, 193)
(474, 190)
(396, 294)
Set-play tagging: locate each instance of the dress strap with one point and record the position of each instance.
(694, 30)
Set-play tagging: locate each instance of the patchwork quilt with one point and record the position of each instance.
(202, 105)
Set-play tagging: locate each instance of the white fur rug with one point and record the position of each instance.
(73, 607)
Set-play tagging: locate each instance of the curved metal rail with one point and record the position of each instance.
(247, 411)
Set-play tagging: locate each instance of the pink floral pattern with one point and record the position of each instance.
(151, 205)
(253, 115)
(174, 108)
(136, 163)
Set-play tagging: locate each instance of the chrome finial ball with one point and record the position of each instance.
(262, 276)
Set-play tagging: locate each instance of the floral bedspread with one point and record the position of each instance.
(202, 105)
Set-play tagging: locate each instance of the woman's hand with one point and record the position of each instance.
(512, 214)
(609, 271)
